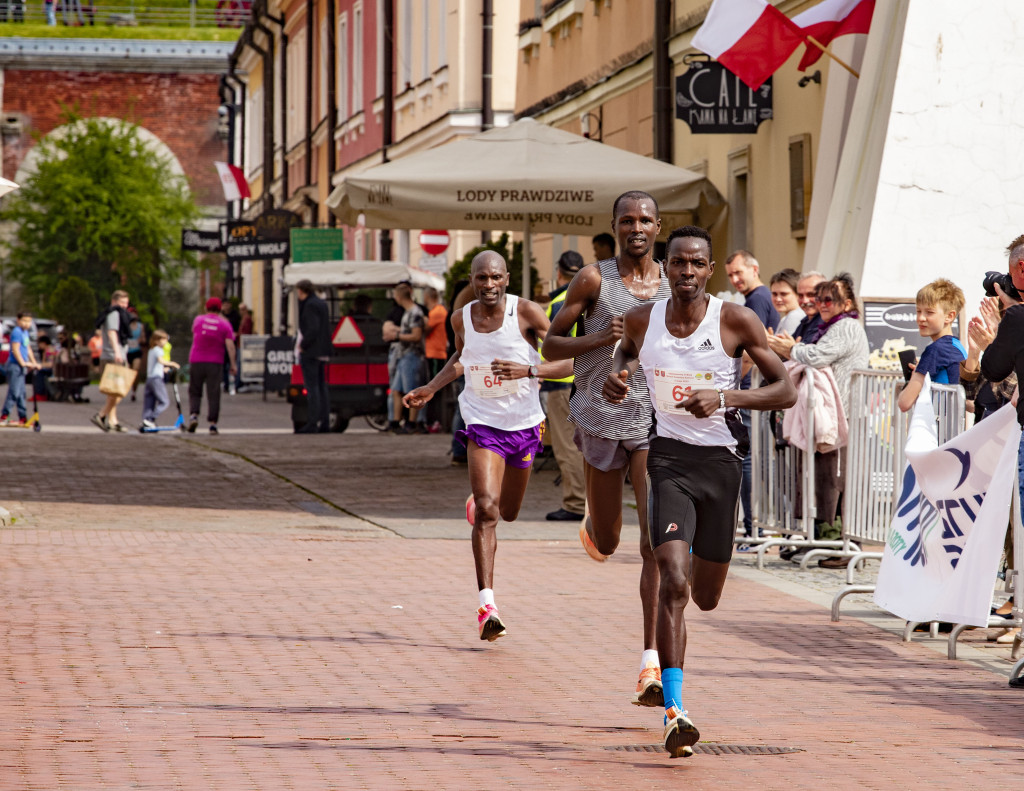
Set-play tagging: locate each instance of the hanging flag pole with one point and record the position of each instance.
(827, 51)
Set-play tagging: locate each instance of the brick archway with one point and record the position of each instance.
(151, 141)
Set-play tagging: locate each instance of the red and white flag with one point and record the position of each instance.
(751, 38)
(233, 181)
(829, 20)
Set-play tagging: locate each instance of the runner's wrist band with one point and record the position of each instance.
(721, 398)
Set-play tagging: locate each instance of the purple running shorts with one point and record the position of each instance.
(517, 448)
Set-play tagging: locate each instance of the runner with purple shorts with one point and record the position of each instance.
(496, 340)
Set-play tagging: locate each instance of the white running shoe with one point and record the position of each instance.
(680, 733)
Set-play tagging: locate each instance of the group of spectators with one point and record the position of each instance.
(419, 348)
(73, 12)
(120, 338)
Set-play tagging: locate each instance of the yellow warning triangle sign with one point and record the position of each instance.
(347, 333)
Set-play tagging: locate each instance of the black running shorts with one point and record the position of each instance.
(694, 493)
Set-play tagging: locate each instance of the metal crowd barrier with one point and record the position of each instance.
(782, 496)
(875, 460)
(1017, 586)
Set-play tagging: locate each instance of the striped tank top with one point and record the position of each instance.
(590, 411)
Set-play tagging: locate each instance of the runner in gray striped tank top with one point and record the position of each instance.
(614, 437)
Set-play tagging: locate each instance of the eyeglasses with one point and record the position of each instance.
(824, 300)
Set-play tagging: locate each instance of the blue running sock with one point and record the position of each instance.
(672, 684)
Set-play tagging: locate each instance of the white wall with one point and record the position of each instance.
(944, 198)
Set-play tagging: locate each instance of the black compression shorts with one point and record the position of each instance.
(694, 492)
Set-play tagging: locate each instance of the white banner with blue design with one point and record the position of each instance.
(947, 535)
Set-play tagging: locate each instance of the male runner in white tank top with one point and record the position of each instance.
(690, 348)
(496, 339)
(615, 439)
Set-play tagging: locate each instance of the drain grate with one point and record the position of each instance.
(712, 748)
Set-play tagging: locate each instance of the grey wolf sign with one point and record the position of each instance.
(261, 239)
(713, 100)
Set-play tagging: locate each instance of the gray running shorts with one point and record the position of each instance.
(607, 454)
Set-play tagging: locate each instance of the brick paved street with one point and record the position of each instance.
(264, 611)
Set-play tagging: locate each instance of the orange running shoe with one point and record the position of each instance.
(648, 687)
(588, 544)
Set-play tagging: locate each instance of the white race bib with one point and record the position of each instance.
(671, 387)
(487, 385)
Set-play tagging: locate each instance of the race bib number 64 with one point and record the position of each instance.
(671, 387)
(487, 385)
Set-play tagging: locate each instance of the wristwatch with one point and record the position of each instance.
(534, 372)
(721, 398)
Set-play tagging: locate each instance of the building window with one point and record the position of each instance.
(442, 41)
(405, 63)
(296, 88)
(342, 88)
(740, 195)
(357, 58)
(425, 54)
(254, 125)
(380, 47)
(322, 92)
(799, 184)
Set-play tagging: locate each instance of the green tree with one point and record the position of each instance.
(513, 258)
(104, 206)
(73, 304)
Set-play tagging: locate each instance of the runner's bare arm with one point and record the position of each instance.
(626, 359)
(452, 370)
(533, 323)
(579, 297)
(743, 331)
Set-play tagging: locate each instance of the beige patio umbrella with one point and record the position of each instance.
(526, 177)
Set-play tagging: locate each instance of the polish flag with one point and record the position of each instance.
(829, 20)
(233, 181)
(751, 38)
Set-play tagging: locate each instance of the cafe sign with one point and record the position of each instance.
(710, 99)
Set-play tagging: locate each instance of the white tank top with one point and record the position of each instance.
(674, 365)
(510, 405)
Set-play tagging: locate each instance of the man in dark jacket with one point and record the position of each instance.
(1005, 354)
(314, 351)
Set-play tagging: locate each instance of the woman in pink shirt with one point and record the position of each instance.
(211, 335)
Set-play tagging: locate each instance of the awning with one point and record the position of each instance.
(360, 274)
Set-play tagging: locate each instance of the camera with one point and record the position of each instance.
(1005, 283)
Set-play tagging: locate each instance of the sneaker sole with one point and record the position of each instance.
(681, 738)
(653, 696)
(588, 545)
(492, 630)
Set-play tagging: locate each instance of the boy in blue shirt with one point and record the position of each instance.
(938, 305)
(20, 360)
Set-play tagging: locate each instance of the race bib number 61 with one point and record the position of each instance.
(671, 387)
(487, 385)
